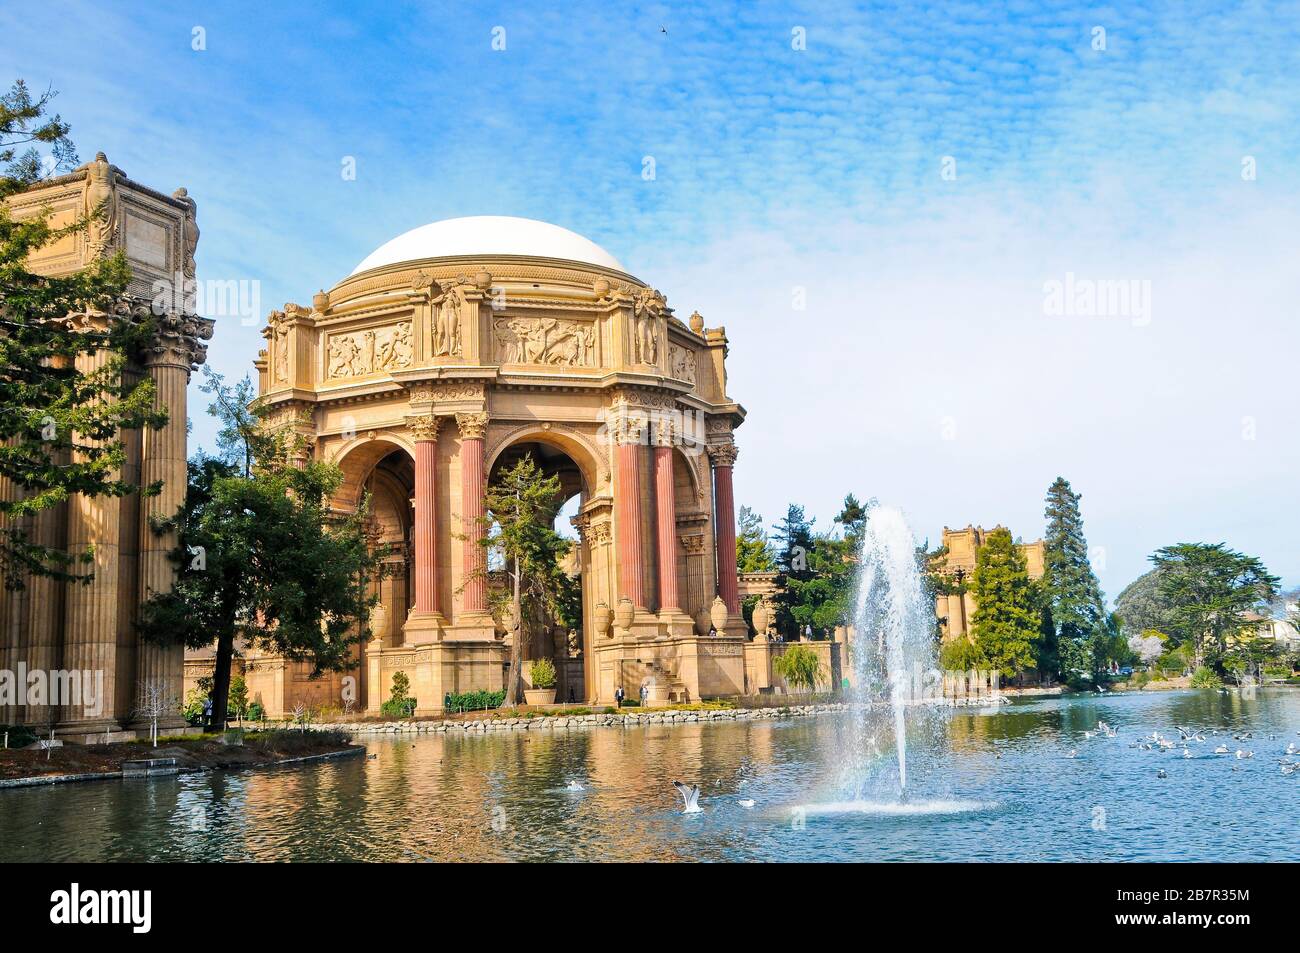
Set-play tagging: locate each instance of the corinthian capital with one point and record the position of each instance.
(176, 341)
(472, 426)
(722, 454)
(424, 427)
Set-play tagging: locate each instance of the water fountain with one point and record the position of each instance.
(894, 622)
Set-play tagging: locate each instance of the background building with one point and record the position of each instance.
(956, 611)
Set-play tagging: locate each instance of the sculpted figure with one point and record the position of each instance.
(101, 198)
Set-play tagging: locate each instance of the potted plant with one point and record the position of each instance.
(541, 672)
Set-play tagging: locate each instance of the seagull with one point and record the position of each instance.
(746, 803)
(574, 785)
(1161, 773)
(1073, 754)
(1088, 734)
(690, 797)
(1244, 754)
(1289, 768)
(1185, 732)
(1290, 749)
(1166, 743)
(1222, 749)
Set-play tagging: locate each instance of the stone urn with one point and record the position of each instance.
(624, 613)
(604, 619)
(702, 622)
(762, 619)
(718, 614)
(539, 696)
(378, 621)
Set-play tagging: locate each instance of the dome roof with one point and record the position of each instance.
(488, 235)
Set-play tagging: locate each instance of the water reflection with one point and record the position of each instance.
(506, 797)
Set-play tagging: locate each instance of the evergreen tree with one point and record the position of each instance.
(753, 551)
(1005, 627)
(792, 540)
(1072, 594)
(519, 530)
(262, 555)
(1210, 591)
(60, 426)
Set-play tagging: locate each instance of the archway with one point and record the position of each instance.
(382, 473)
(561, 637)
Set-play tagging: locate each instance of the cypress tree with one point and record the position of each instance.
(1073, 595)
(1006, 623)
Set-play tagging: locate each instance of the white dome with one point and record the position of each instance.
(488, 235)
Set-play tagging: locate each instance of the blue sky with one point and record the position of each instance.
(924, 369)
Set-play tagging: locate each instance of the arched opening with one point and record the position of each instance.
(557, 636)
(383, 475)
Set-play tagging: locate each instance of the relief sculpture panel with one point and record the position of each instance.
(681, 363)
(358, 353)
(545, 341)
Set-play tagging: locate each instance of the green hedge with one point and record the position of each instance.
(398, 708)
(473, 701)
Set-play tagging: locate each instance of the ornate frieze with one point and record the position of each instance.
(426, 392)
(544, 341)
(358, 353)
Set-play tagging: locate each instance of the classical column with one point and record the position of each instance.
(631, 573)
(90, 625)
(723, 457)
(666, 511)
(425, 429)
(162, 460)
(473, 481)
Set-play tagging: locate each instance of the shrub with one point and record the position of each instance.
(799, 666)
(256, 712)
(1205, 677)
(542, 672)
(960, 655)
(399, 704)
(473, 701)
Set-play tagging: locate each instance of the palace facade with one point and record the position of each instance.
(445, 356)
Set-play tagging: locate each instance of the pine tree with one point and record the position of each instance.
(60, 427)
(261, 555)
(519, 529)
(1006, 624)
(792, 540)
(1072, 593)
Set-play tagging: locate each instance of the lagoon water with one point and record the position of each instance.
(1005, 788)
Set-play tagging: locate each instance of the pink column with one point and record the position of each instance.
(667, 519)
(472, 482)
(631, 574)
(425, 430)
(724, 457)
